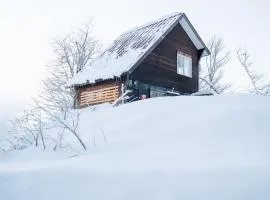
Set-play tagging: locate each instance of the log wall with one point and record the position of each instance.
(97, 94)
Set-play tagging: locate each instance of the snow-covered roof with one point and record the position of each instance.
(131, 47)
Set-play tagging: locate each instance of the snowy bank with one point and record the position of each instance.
(213, 147)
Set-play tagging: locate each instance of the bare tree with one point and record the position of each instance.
(36, 118)
(14, 142)
(71, 127)
(20, 127)
(73, 53)
(256, 79)
(211, 72)
(29, 127)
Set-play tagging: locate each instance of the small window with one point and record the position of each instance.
(157, 93)
(184, 64)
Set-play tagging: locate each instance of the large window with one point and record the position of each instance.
(184, 64)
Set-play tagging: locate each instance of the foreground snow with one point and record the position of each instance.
(164, 148)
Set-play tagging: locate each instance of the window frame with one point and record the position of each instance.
(187, 58)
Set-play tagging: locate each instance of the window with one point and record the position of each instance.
(157, 93)
(184, 64)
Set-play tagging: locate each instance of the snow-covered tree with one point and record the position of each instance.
(211, 71)
(28, 129)
(258, 86)
(72, 54)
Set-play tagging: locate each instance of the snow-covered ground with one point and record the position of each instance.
(213, 147)
(3, 128)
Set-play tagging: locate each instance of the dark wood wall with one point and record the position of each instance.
(160, 67)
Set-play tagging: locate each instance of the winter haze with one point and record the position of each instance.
(29, 27)
(147, 133)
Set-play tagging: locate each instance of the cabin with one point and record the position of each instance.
(160, 58)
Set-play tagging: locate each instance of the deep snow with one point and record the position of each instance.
(213, 147)
(3, 128)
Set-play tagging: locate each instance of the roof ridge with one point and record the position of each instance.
(151, 22)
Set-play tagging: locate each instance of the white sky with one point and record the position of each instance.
(28, 27)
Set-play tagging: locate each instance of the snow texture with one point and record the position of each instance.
(186, 147)
(3, 128)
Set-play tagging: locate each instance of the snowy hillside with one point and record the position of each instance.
(205, 148)
(3, 128)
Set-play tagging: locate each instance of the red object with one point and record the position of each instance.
(142, 97)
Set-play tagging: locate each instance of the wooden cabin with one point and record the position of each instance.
(160, 58)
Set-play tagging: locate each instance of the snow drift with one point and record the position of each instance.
(183, 147)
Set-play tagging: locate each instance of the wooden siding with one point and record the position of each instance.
(160, 67)
(96, 94)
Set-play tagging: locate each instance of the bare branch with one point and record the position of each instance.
(73, 131)
(254, 77)
(72, 54)
(212, 71)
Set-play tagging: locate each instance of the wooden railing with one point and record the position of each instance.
(105, 95)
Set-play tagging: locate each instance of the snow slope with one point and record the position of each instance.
(3, 128)
(164, 148)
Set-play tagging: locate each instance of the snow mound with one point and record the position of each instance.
(186, 147)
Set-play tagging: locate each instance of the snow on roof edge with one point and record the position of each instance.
(152, 22)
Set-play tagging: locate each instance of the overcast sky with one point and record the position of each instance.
(28, 27)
